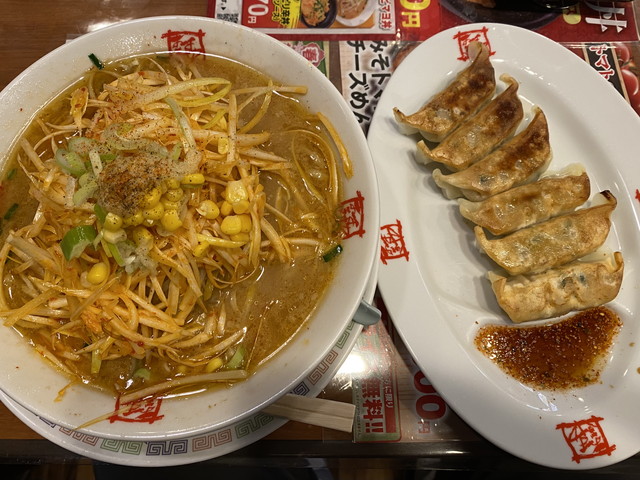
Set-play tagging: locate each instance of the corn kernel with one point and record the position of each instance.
(153, 213)
(171, 221)
(98, 273)
(151, 198)
(133, 220)
(236, 191)
(193, 179)
(231, 225)
(245, 221)
(240, 237)
(169, 205)
(173, 183)
(174, 194)
(112, 236)
(226, 208)
(142, 237)
(241, 207)
(208, 209)
(200, 249)
(113, 221)
(213, 365)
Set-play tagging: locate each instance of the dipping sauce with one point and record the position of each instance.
(555, 356)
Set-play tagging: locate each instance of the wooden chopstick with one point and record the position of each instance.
(314, 411)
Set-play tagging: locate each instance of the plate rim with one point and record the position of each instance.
(388, 276)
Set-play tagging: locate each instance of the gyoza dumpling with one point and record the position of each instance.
(552, 243)
(479, 135)
(445, 111)
(515, 162)
(575, 286)
(528, 204)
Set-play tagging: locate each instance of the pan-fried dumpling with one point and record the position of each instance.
(479, 135)
(445, 111)
(575, 286)
(552, 243)
(515, 162)
(528, 204)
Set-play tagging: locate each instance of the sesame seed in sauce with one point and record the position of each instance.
(554, 356)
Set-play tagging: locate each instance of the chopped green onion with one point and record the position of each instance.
(11, 211)
(70, 162)
(86, 178)
(183, 123)
(11, 173)
(236, 359)
(96, 61)
(176, 151)
(85, 192)
(96, 361)
(76, 240)
(96, 162)
(332, 253)
(143, 373)
(100, 212)
(82, 145)
(113, 250)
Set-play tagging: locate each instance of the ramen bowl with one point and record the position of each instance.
(37, 386)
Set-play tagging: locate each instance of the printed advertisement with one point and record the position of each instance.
(394, 400)
(294, 19)
(416, 20)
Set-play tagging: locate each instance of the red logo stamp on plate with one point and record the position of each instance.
(464, 38)
(586, 438)
(352, 211)
(392, 242)
(185, 41)
(146, 410)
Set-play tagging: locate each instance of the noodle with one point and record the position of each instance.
(158, 211)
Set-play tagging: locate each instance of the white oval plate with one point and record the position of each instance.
(434, 283)
(35, 385)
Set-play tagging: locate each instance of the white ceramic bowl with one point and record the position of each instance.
(34, 384)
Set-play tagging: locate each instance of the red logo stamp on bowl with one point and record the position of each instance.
(146, 410)
(185, 41)
(352, 211)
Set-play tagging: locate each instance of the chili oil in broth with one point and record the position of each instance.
(273, 303)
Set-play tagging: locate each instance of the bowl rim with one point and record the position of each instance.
(18, 87)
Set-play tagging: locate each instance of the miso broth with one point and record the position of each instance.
(189, 292)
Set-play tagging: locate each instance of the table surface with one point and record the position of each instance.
(30, 29)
